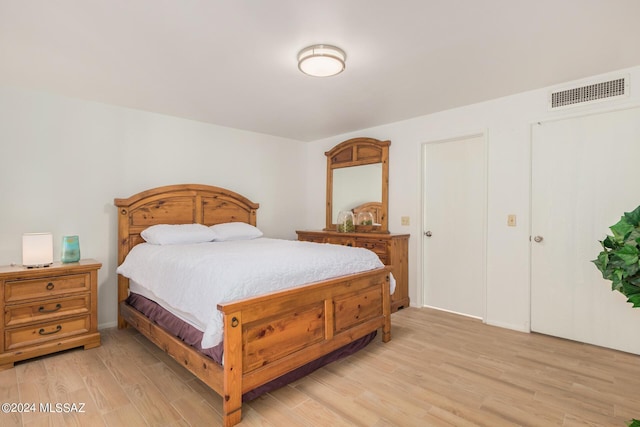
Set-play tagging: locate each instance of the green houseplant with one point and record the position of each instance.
(619, 261)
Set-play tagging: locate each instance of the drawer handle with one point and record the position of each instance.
(50, 286)
(43, 310)
(58, 329)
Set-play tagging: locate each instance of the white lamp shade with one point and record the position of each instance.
(321, 60)
(37, 249)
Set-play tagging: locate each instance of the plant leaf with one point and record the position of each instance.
(609, 242)
(628, 254)
(602, 261)
(630, 290)
(633, 217)
(632, 238)
(635, 280)
(621, 230)
(616, 278)
(635, 300)
(633, 423)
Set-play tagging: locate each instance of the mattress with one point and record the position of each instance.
(190, 280)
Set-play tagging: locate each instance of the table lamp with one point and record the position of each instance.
(37, 250)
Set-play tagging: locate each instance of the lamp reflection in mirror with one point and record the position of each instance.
(321, 60)
(37, 250)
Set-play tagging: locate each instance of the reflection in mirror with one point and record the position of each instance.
(353, 186)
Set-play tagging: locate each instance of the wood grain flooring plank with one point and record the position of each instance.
(439, 369)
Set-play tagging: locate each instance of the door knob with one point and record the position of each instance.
(428, 233)
(538, 239)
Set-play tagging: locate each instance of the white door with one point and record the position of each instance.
(585, 174)
(454, 194)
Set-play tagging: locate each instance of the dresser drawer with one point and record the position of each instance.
(315, 239)
(43, 311)
(46, 331)
(20, 290)
(377, 246)
(344, 241)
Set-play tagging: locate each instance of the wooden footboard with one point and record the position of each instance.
(268, 336)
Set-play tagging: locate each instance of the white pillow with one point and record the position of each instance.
(235, 231)
(175, 234)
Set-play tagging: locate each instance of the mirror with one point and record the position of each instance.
(357, 180)
(354, 186)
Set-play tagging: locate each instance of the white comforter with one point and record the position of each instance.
(194, 278)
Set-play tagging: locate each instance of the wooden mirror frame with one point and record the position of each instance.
(358, 152)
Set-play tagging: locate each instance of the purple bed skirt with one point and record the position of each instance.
(192, 336)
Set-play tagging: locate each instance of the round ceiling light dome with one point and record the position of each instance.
(321, 60)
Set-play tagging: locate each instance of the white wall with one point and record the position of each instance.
(506, 123)
(63, 161)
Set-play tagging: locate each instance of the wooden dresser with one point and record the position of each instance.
(393, 250)
(48, 309)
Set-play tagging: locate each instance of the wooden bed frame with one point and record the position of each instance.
(265, 336)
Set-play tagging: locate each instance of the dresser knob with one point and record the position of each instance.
(50, 286)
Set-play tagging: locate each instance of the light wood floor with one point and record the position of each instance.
(438, 370)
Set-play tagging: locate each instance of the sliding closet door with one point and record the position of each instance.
(585, 174)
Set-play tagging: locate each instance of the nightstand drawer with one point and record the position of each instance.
(46, 310)
(47, 331)
(20, 290)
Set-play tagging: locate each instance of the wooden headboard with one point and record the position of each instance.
(178, 204)
(175, 204)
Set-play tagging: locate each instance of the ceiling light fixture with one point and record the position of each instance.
(321, 60)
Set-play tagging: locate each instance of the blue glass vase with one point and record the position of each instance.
(70, 249)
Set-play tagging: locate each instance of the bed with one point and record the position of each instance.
(307, 322)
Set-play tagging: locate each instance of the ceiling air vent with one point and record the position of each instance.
(589, 93)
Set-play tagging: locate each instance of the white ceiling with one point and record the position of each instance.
(233, 62)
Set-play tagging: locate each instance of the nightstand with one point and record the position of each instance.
(48, 309)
